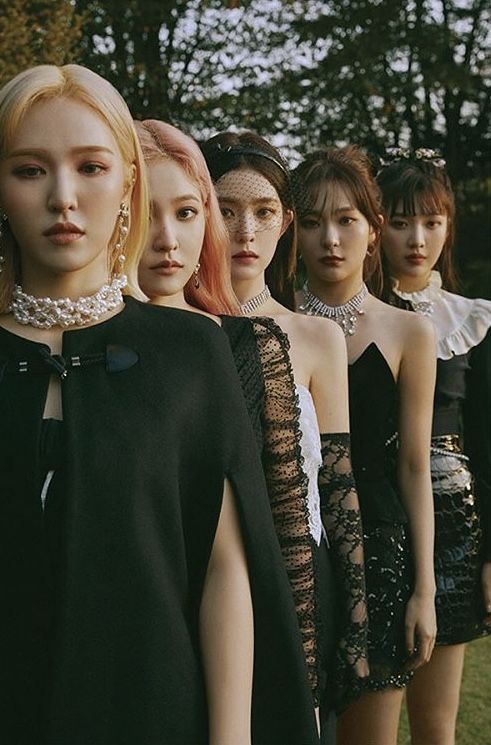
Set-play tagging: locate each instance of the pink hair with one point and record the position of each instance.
(215, 294)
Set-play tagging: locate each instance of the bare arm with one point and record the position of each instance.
(416, 389)
(227, 633)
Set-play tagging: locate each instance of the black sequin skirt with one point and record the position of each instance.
(458, 545)
(388, 573)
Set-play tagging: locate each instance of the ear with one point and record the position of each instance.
(374, 235)
(287, 221)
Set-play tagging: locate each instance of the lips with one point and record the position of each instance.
(331, 260)
(416, 258)
(63, 232)
(245, 257)
(168, 264)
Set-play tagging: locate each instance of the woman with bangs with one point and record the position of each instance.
(391, 379)
(417, 241)
(144, 598)
(185, 266)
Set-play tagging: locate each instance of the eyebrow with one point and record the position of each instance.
(261, 200)
(75, 150)
(186, 197)
(336, 211)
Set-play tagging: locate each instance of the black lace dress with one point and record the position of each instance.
(106, 527)
(388, 568)
(328, 586)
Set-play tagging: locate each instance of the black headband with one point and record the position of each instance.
(247, 150)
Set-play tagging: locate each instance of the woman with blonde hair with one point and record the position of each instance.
(142, 588)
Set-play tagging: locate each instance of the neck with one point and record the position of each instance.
(413, 284)
(72, 285)
(172, 301)
(248, 288)
(335, 293)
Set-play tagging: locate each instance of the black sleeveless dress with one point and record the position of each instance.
(388, 569)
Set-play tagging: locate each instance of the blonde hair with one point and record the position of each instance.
(46, 82)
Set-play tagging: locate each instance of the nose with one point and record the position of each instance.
(62, 197)
(330, 236)
(165, 238)
(417, 236)
(245, 229)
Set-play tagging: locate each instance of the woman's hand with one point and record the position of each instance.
(420, 629)
(486, 588)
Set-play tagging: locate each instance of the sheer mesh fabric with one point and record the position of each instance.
(286, 480)
(342, 521)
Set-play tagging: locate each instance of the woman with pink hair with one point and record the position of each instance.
(185, 265)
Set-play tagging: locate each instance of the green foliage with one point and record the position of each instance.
(37, 33)
(474, 720)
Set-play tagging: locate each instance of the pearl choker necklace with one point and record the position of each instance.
(345, 315)
(255, 302)
(44, 313)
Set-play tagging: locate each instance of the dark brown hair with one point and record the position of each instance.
(420, 187)
(229, 151)
(351, 169)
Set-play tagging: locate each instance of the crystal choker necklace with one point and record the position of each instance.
(255, 302)
(44, 313)
(345, 315)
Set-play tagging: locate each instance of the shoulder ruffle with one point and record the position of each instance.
(475, 317)
(460, 323)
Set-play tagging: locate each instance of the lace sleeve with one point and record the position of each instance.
(342, 520)
(287, 482)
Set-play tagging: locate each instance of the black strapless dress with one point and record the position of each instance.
(388, 566)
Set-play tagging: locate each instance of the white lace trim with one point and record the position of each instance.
(460, 322)
(310, 445)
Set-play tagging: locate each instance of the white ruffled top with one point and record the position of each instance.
(310, 445)
(460, 323)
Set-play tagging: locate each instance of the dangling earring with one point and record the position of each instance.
(3, 218)
(123, 217)
(197, 283)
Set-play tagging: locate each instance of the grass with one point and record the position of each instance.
(474, 721)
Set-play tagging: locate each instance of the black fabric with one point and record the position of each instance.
(261, 352)
(99, 630)
(450, 394)
(462, 408)
(374, 404)
(342, 521)
(477, 431)
(459, 597)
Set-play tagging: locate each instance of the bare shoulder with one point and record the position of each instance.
(318, 332)
(411, 328)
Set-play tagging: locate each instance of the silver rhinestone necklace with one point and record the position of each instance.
(44, 312)
(345, 315)
(255, 302)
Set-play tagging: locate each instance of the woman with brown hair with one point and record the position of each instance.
(391, 380)
(417, 243)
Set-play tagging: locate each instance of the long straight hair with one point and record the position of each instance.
(351, 169)
(160, 140)
(46, 82)
(418, 186)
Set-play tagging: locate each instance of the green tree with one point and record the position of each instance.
(36, 33)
